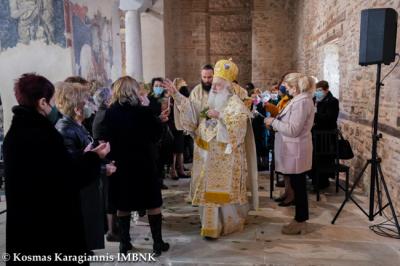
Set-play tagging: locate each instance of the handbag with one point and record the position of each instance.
(345, 152)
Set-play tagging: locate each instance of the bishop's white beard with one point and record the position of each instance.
(218, 101)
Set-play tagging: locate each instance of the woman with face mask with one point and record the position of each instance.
(293, 143)
(326, 115)
(43, 181)
(157, 100)
(72, 99)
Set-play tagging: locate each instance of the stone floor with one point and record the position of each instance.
(348, 242)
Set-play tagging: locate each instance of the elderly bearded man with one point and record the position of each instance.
(199, 101)
(224, 161)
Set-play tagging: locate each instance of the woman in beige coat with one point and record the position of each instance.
(293, 143)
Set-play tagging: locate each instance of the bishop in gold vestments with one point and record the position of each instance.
(224, 163)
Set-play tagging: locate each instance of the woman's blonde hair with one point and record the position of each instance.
(70, 96)
(300, 81)
(179, 82)
(125, 90)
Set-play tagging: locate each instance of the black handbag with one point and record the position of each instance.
(345, 152)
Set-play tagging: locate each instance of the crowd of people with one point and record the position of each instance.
(80, 157)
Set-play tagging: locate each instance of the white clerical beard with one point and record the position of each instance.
(218, 101)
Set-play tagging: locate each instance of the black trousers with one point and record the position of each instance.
(188, 147)
(322, 162)
(298, 183)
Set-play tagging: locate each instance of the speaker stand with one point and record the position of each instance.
(376, 172)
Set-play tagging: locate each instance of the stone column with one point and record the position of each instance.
(133, 36)
(133, 41)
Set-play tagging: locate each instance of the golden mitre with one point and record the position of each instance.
(226, 69)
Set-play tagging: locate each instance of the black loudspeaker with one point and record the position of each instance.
(378, 36)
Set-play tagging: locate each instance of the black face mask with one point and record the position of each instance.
(206, 87)
(184, 91)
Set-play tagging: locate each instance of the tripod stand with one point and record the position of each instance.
(376, 171)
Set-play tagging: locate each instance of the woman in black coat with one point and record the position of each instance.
(157, 100)
(325, 120)
(72, 101)
(133, 132)
(42, 180)
(102, 98)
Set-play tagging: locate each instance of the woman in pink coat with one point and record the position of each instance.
(293, 143)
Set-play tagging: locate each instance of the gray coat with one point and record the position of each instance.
(293, 139)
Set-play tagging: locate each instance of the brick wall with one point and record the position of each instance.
(185, 38)
(257, 34)
(272, 41)
(337, 22)
(230, 34)
(202, 31)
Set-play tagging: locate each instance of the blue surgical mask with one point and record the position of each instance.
(158, 91)
(319, 96)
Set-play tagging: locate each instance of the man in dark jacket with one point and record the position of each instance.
(325, 119)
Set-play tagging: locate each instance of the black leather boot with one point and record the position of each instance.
(125, 238)
(159, 245)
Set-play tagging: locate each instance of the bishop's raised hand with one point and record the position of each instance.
(170, 87)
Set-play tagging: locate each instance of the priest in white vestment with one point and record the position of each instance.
(224, 163)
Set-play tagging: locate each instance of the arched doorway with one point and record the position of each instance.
(331, 68)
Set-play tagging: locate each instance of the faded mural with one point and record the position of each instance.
(50, 21)
(22, 21)
(92, 43)
(56, 38)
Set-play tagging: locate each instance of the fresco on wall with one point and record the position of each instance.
(92, 44)
(22, 21)
(63, 23)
